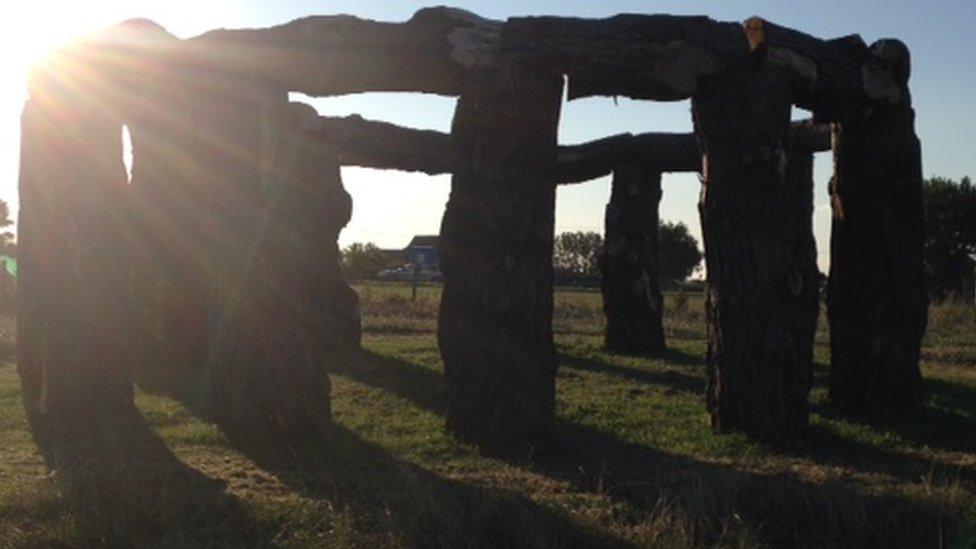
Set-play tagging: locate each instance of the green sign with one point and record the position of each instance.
(10, 264)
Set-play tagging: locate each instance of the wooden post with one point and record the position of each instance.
(277, 206)
(495, 327)
(73, 318)
(761, 290)
(414, 282)
(877, 301)
(629, 263)
(313, 207)
(170, 286)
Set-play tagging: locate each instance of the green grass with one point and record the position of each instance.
(634, 464)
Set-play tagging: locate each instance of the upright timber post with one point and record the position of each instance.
(761, 286)
(276, 204)
(169, 218)
(73, 313)
(877, 302)
(495, 327)
(629, 263)
(312, 207)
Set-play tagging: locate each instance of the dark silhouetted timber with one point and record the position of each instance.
(217, 266)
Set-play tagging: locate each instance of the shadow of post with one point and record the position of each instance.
(124, 487)
(392, 497)
(944, 421)
(672, 380)
(389, 496)
(714, 500)
(421, 385)
(723, 505)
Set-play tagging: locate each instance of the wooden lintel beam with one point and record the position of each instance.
(664, 57)
(660, 57)
(837, 80)
(666, 152)
(333, 55)
(356, 141)
(657, 57)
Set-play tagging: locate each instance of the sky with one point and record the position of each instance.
(390, 207)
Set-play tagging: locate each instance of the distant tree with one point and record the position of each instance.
(575, 255)
(361, 261)
(950, 235)
(678, 254)
(8, 245)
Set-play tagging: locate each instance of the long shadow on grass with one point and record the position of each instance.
(825, 447)
(124, 487)
(777, 509)
(944, 422)
(393, 498)
(716, 501)
(671, 379)
(424, 387)
(418, 384)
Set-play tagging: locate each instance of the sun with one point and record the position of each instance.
(34, 28)
(39, 27)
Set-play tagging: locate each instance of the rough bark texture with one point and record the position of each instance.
(762, 278)
(73, 316)
(835, 79)
(632, 298)
(877, 303)
(495, 327)
(640, 56)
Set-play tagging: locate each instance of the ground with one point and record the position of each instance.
(634, 464)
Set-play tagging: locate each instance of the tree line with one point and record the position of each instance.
(950, 237)
(950, 240)
(575, 256)
(950, 213)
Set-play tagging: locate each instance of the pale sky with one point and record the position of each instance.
(390, 207)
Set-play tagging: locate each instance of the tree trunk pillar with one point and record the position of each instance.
(73, 317)
(495, 326)
(629, 282)
(280, 307)
(762, 279)
(877, 302)
(170, 211)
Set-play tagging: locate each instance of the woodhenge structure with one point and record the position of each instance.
(216, 262)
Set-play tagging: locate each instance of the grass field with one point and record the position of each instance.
(635, 463)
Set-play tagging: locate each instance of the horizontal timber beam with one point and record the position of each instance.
(332, 55)
(665, 152)
(356, 141)
(640, 56)
(660, 57)
(663, 57)
(837, 80)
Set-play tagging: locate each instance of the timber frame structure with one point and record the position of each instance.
(217, 263)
